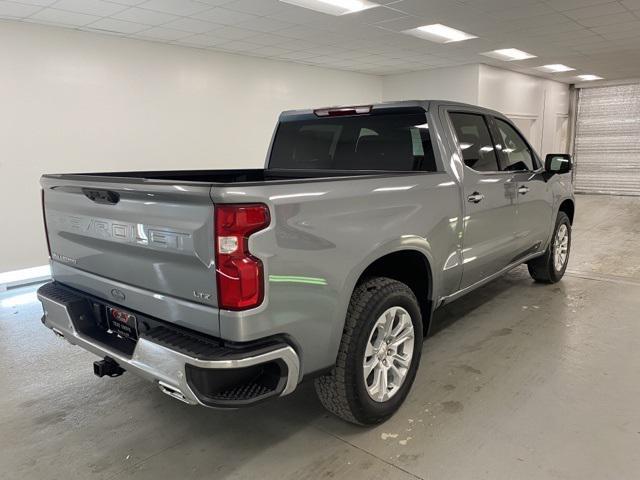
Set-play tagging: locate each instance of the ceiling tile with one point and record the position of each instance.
(602, 36)
(324, 50)
(39, 3)
(271, 51)
(404, 23)
(16, 10)
(295, 55)
(234, 33)
(298, 44)
(239, 46)
(595, 11)
(163, 33)
(191, 25)
(264, 24)
(618, 27)
(224, 16)
(130, 3)
(261, 7)
(299, 31)
(176, 7)
(62, 17)
(623, 34)
(215, 3)
(117, 26)
(294, 14)
(147, 17)
(526, 11)
(90, 7)
(204, 40)
(376, 15)
(269, 39)
(562, 5)
(607, 19)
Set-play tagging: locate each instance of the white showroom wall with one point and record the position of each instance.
(74, 101)
(538, 106)
(458, 84)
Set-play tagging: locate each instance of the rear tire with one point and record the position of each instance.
(382, 337)
(550, 267)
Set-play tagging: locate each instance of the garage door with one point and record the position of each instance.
(607, 147)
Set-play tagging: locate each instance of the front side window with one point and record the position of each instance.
(475, 141)
(516, 154)
(388, 142)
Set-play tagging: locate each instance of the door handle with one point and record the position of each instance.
(475, 197)
(523, 190)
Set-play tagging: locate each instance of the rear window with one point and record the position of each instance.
(396, 142)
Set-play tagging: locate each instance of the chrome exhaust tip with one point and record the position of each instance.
(173, 392)
(57, 332)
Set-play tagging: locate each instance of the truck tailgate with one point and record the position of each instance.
(153, 236)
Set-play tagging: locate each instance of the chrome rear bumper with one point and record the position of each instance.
(159, 363)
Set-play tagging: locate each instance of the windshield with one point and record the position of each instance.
(395, 142)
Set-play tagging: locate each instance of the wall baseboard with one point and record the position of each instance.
(17, 278)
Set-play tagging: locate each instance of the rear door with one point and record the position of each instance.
(535, 199)
(150, 239)
(489, 199)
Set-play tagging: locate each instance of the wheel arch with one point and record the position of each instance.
(568, 206)
(410, 267)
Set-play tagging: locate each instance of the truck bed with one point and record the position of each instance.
(226, 177)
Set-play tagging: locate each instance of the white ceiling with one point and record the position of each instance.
(599, 37)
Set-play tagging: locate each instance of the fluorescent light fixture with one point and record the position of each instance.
(333, 7)
(555, 68)
(440, 33)
(508, 54)
(589, 77)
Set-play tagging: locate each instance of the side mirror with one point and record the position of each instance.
(558, 163)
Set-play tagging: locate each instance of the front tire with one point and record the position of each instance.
(378, 356)
(550, 267)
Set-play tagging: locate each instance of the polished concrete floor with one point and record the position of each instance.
(520, 381)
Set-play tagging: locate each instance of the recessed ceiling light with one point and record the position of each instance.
(508, 54)
(440, 33)
(334, 7)
(589, 77)
(555, 68)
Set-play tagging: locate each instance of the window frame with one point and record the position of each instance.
(488, 123)
(502, 160)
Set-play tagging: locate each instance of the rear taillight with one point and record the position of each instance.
(44, 219)
(239, 274)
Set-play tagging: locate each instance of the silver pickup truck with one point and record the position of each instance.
(227, 287)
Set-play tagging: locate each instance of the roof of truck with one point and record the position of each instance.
(401, 104)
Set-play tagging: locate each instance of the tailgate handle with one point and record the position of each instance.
(102, 196)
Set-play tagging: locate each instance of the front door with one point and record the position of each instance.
(535, 207)
(489, 200)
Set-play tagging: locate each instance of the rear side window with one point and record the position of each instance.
(389, 142)
(475, 141)
(516, 154)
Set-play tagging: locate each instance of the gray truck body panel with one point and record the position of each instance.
(156, 245)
